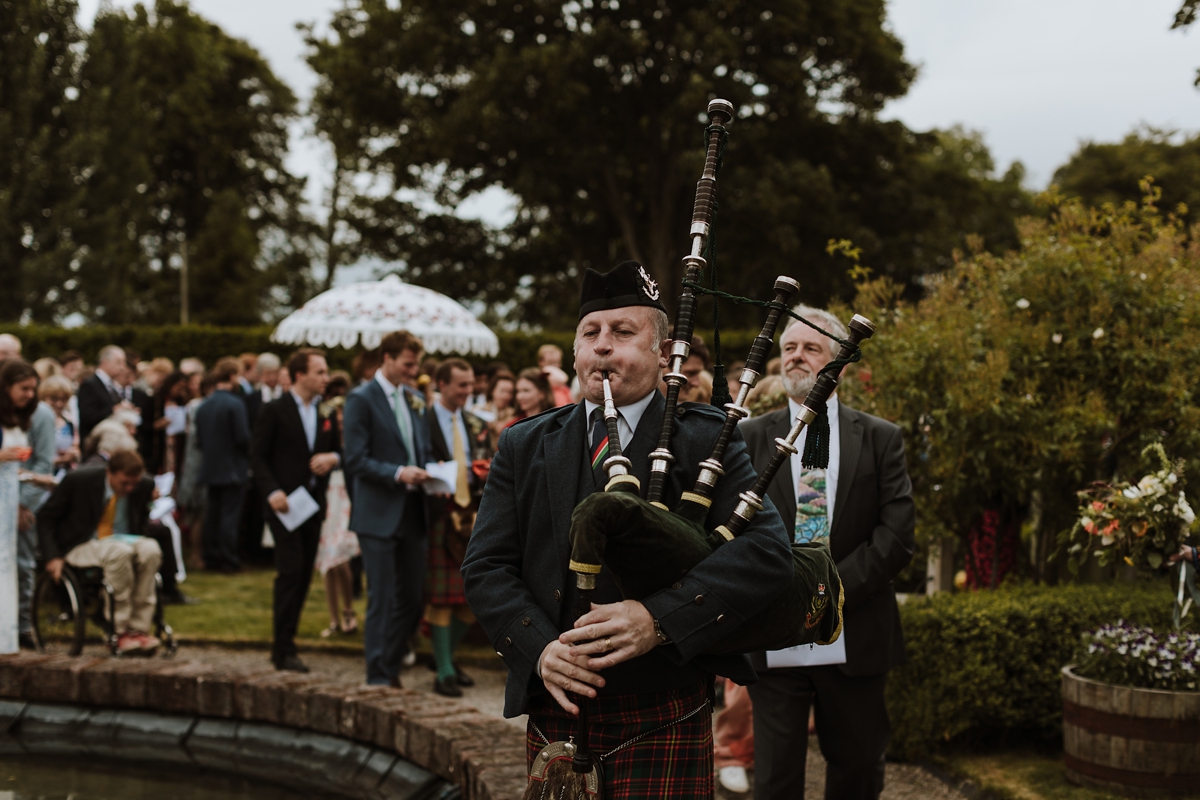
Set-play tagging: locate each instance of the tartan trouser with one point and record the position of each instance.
(675, 762)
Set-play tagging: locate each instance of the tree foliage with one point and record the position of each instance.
(1101, 173)
(589, 113)
(1022, 378)
(161, 132)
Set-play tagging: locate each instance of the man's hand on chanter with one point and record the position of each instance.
(612, 633)
(562, 673)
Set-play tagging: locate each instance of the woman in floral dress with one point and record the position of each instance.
(338, 543)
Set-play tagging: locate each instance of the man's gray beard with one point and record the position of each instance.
(798, 385)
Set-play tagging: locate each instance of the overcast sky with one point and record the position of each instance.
(1036, 77)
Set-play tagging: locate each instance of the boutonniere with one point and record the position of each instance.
(415, 403)
(326, 425)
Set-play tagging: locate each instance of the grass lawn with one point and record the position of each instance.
(1019, 775)
(236, 609)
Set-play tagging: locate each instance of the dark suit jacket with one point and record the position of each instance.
(476, 448)
(515, 571)
(223, 436)
(145, 432)
(253, 400)
(374, 451)
(279, 453)
(69, 516)
(95, 404)
(872, 536)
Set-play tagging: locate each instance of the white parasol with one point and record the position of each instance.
(341, 316)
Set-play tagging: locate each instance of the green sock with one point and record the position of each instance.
(443, 650)
(458, 631)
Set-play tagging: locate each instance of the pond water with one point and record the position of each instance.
(29, 778)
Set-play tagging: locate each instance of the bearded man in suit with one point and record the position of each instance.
(294, 447)
(862, 506)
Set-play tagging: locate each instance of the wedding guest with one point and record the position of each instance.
(26, 430)
(72, 366)
(268, 376)
(339, 545)
(223, 434)
(56, 392)
(101, 393)
(533, 395)
(169, 425)
(549, 358)
(294, 449)
(45, 367)
(499, 409)
(386, 446)
(10, 346)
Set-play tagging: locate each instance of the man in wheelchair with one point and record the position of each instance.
(96, 518)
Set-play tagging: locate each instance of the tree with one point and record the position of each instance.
(1020, 379)
(186, 129)
(1100, 173)
(37, 192)
(588, 113)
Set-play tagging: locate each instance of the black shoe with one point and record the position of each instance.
(25, 640)
(178, 598)
(463, 678)
(447, 686)
(395, 683)
(290, 663)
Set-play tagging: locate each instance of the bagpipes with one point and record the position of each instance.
(647, 547)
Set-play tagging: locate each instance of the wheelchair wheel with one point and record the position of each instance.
(58, 612)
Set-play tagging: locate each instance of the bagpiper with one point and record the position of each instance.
(643, 668)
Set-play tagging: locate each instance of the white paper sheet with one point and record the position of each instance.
(301, 506)
(161, 508)
(164, 483)
(443, 477)
(178, 419)
(809, 655)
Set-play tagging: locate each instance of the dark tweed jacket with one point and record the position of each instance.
(516, 575)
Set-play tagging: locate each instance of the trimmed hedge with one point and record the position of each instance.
(208, 343)
(985, 665)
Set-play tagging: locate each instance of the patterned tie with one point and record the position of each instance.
(599, 448)
(405, 424)
(812, 509)
(104, 528)
(462, 492)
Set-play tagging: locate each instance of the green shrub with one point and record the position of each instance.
(208, 343)
(986, 664)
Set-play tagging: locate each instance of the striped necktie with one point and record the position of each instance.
(599, 446)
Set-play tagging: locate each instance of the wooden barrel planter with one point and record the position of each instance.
(1138, 742)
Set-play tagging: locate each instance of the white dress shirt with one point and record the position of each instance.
(308, 418)
(628, 418)
(446, 420)
(835, 454)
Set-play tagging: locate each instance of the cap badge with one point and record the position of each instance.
(649, 287)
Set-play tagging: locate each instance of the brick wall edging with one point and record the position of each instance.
(483, 755)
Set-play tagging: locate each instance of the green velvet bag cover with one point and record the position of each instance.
(648, 548)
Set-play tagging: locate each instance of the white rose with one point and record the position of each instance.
(1184, 511)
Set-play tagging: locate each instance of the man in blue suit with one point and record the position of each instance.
(223, 433)
(386, 446)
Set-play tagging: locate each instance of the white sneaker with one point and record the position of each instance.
(410, 658)
(734, 779)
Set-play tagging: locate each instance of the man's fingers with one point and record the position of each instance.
(611, 659)
(561, 698)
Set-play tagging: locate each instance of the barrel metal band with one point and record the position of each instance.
(1125, 726)
(1182, 781)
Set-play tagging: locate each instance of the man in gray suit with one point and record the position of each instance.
(862, 506)
(223, 434)
(386, 448)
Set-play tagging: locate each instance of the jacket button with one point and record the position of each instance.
(720, 618)
(557, 595)
(526, 622)
(676, 585)
(500, 654)
(507, 641)
(699, 599)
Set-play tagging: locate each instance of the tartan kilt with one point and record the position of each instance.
(673, 763)
(443, 578)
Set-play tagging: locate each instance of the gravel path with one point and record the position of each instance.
(903, 781)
